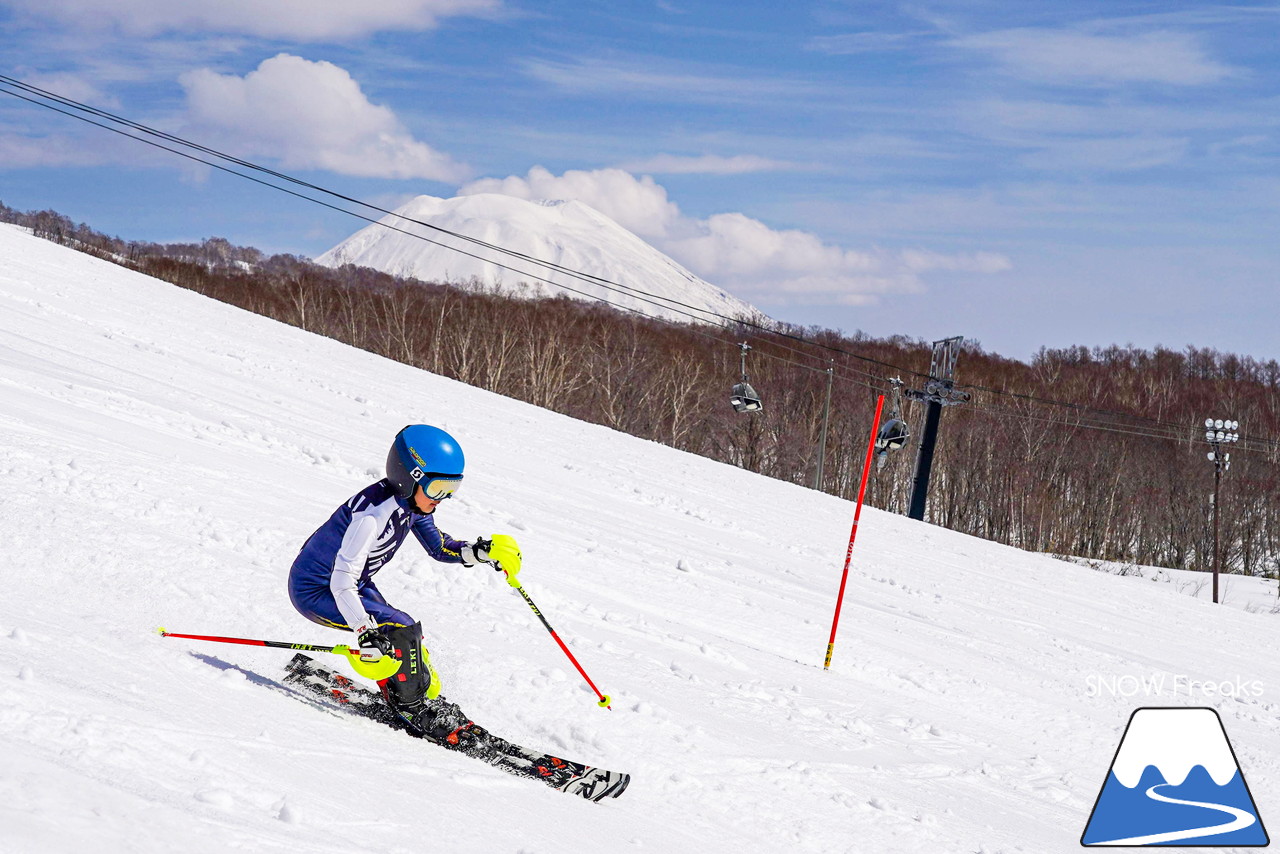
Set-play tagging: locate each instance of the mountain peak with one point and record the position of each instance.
(617, 266)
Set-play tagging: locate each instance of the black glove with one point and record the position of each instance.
(371, 638)
(477, 552)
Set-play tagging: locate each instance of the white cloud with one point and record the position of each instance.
(305, 20)
(77, 87)
(25, 152)
(637, 204)
(648, 77)
(1074, 57)
(1111, 116)
(25, 147)
(1247, 146)
(309, 115)
(792, 266)
(738, 252)
(708, 164)
(1120, 154)
(843, 44)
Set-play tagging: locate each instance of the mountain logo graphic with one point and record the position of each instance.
(1175, 782)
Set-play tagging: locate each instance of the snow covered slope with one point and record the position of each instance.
(570, 234)
(163, 456)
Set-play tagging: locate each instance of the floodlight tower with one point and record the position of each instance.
(1217, 433)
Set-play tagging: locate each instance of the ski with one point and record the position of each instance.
(344, 694)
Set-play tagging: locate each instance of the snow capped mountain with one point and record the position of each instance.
(570, 234)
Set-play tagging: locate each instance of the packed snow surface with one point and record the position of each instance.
(575, 236)
(164, 456)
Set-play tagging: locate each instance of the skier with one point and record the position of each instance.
(331, 581)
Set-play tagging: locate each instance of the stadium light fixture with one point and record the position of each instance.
(1219, 432)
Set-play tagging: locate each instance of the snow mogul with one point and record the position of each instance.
(331, 581)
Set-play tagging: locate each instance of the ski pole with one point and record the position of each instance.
(848, 555)
(378, 670)
(605, 701)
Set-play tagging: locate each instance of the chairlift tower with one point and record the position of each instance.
(939, 391)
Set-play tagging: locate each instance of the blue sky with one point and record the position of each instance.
(1021, 173)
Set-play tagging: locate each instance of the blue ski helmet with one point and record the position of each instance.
(425, 455)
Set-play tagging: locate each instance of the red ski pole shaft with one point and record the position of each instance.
(377, 669)
(604, 698)
(306, 647)
(857, 513)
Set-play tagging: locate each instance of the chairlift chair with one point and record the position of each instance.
(893, 435)
(744, 397)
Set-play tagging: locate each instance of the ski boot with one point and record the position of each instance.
(443, 723)
(413, 694)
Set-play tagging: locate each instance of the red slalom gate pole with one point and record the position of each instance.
(848, 555)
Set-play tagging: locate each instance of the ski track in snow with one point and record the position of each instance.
(164, 456)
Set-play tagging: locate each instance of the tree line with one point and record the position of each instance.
(1042, 457)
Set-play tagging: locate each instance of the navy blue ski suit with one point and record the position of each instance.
(331, 580)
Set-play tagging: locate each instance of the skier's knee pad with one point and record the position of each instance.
(409, 683)
(416, 678)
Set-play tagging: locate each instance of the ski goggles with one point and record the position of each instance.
(438, 488)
